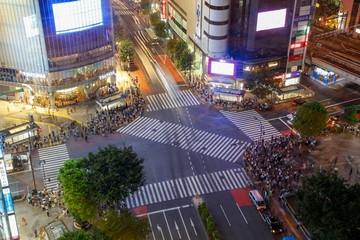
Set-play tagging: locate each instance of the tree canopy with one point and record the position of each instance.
(145, 6)
(311, 118)
(126, 49)
(350, 115)
(123, 225)
(329, 207)
(180, 48)
(261, 83)
(119, 34)
(154, 18)
(74, 180)
(109, 175)
(185, 60)
(76, 235)
(171, 46)
(160, 29)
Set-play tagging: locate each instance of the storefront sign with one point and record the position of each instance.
(83, 69)
(8, 201)
(35, 75)
(357, 30)
(3, 220)
(163, 12)
(273, 64)
(323, 72)
(106, 75)
(11, 92)
(296, 57)
(197, 65)
(301, 18)
(3, 174)
(300, 33)
(297, 45)
(294, 68)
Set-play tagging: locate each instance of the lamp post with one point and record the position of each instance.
(31, 164)
(260, 126)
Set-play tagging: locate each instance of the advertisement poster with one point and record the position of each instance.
(13, 227)
(198, 18)
(3, 175)
(3, 222)
(8, 200)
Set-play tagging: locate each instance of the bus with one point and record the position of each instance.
(150, 34)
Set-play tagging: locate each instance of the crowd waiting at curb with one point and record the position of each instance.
(273, 162)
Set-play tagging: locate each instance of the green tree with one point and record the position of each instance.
(145, 6)
(160, 29)
(180, 48)
(74, 180)
(114, 173)
(311, 118)
(119, 34)
(350, 115)
(123, 225)
(154, 18)
(328, 207)
(126, 49)
(186, 60)
(76, 235)
(171, 46)
(261, 83)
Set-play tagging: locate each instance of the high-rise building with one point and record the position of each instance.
(56, 52)
(232, 37)
(350, 12)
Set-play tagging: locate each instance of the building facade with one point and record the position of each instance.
(58, 51)
(350, 9)
(248, 35)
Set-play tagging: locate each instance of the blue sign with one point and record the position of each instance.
(8, 201)
(295, 74)
(301, 18)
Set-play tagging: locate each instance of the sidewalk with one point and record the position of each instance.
(36, 218)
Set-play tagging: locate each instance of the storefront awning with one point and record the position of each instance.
(290, 89)
(228, 91)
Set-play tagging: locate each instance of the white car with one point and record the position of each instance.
(290, 117)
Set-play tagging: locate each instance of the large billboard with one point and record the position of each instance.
(198, 18)
(218, 67)
(271, 20)
(77, 15)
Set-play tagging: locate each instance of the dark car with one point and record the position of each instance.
(265, 107)
(298, 102)
(273, 224)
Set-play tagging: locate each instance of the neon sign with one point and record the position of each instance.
(163, 13)
(296, 45)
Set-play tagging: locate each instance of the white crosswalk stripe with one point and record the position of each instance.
(162, 101)
(142, 36)
(198, 184)
(249, 123)
(209, 144)
(123, 12)
(54, 158)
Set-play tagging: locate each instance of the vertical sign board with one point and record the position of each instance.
(198, 18)
(3, 219)
(13, 227)
(8, 201)
(3, 175)
(163, 12)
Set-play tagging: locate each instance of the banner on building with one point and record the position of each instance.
(198, 18)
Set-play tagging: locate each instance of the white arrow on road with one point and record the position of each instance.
(193, 226)
(160, 230)
(177, 229)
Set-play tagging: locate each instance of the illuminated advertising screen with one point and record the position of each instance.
(77, 15)
(271, 20)
(222, 68)
(31, 26)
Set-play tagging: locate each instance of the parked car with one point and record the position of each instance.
(265, 107)
(298, 102)
(273, 224)
(290, 118)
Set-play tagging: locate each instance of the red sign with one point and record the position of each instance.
(296, 45)
(163, 14)
(296, 57)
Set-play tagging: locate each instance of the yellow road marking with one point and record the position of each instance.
(65, 116)
(37, 122)
(341, 163)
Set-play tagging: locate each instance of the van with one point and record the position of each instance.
(257, 200)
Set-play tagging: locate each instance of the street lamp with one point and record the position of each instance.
(31, 164)
(260, 127)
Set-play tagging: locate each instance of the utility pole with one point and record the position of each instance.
(31, 121)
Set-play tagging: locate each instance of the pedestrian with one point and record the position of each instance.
(48, 213)
(35, 232)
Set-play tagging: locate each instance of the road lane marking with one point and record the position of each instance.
(182, 219)
(242, 213)
(285, 123)
(163, 210)
(225, 215)
(168, 226)
(152, 230)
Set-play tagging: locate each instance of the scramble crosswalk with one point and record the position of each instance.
(53, 158)
(188, 187)
(251, 123)
(190, 139)
(123, 12)
(166, 101)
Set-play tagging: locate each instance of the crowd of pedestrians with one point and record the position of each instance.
(273, 162)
